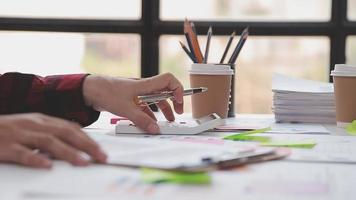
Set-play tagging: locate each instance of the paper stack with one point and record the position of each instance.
(303, 101)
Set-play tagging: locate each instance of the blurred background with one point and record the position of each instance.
(45, 52)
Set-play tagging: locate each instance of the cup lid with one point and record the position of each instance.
(344, 70)
(211, 69)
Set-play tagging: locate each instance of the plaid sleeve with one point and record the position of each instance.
(59, 96)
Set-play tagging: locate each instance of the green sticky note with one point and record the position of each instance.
(251, 138)
(351, 128)
(162, 176)
(240, 135)
(291, 144)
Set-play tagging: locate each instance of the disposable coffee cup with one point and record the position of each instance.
(217, 78)
(344, 77)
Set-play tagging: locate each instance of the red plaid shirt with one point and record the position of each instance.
(59, 96)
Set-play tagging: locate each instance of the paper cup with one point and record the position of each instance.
(344, 77)
(217, 78)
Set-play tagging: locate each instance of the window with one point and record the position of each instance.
(47, 53)
(351, 50)
(78, 9)
(252, 10)
(352, 10)
(303, 38)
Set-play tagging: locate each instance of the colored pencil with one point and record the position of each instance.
(194, 40)
(187, 52)
(193, 27)
(190, 45)
(210, 32)
(227, 47)
(239, 46)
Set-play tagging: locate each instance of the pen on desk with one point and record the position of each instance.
(187, 51)
(210, 32)
(239, 46)
(227, 47)
(166, 95)
(194, 40)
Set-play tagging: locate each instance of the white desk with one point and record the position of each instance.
(271, 180)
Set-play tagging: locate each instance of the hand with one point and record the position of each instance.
(22, 134)
(116, 95)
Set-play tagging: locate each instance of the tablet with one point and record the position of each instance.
(191, 127)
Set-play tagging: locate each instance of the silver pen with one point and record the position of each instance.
(167, 95)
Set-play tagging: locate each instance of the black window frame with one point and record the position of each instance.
(150, 27)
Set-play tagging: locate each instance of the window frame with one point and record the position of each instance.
(150, 28)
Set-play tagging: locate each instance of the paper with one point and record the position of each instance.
(272, 180)
(298, 128)
(97, 181)
(300, 100)
(250, 123)
(329, 149)
(161, 176)
(164, 154)
(246, 122)
(288, 83)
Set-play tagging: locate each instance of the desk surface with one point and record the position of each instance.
(270, 180)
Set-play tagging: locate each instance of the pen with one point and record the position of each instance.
(239, 46)
(227, 47)
(166, 95)
(210, 32)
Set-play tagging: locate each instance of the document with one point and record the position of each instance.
(301, 100)
(298, 128)
(328, 148)
(184, 154)
(271, 180)
(282, 83)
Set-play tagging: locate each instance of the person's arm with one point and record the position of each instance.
(59, 96)
(71, 97)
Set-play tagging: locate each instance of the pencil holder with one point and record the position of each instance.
(231, 111)
(218, 79)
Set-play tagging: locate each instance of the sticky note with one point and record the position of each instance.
(240, 135)
(291, 144)
(162, 176)
(250, 138)
(351, 128)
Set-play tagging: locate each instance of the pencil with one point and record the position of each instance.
(239, 46)
(193, 27)
(187, 52)
(210, 32)
(227, 47)
(194, 40)
(190, 46)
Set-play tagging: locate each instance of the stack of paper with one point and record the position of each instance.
(304, 101)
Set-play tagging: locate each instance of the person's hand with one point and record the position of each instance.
(116, 95)
(26, 138)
